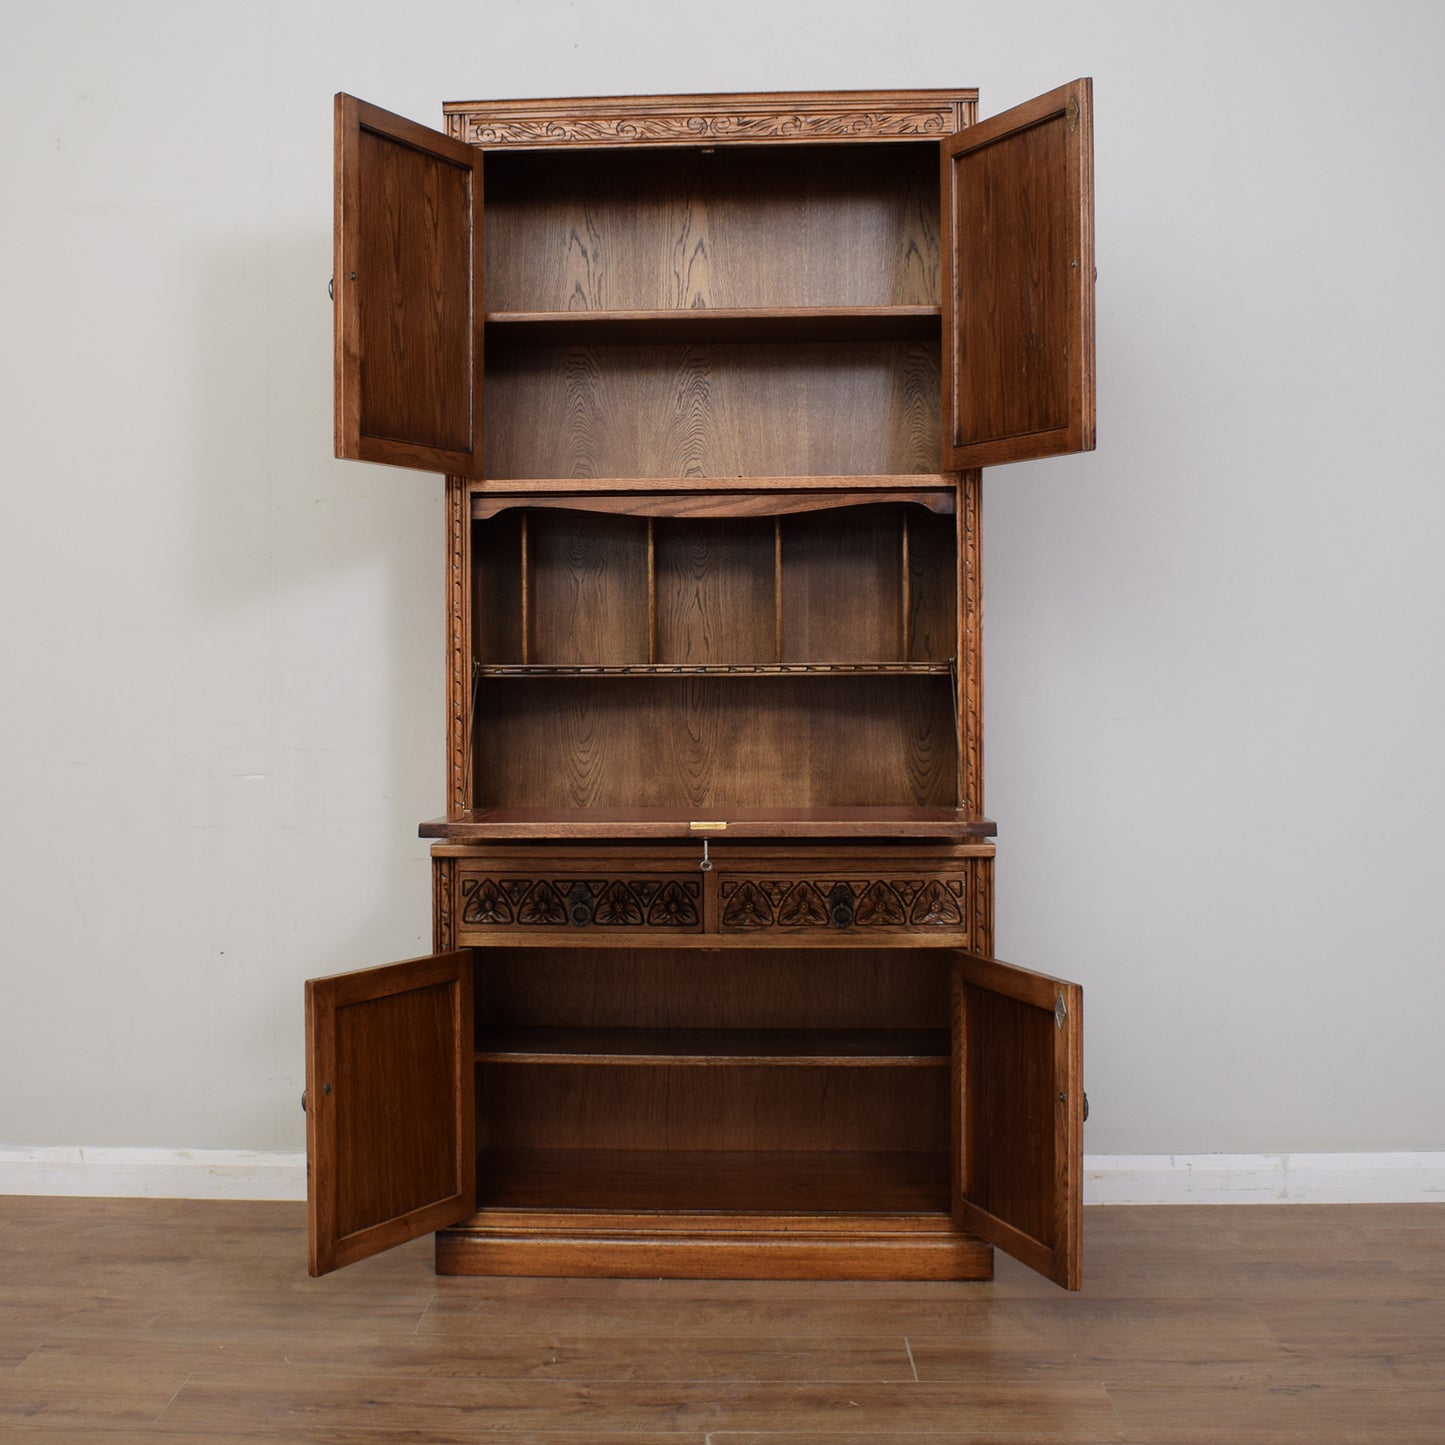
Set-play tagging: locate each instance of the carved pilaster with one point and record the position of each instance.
(970, 641)
(459, 645)
(443, 924)
(980, 904)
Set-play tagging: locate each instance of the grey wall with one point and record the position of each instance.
(1214, 679)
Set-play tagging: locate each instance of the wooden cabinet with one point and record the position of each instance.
(711, 379)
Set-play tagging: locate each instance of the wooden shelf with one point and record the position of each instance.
(485, 824)
(782, 1048)
(718, 669)
(714, 324)
(734, 501)
(911, 484)
(658, 1179)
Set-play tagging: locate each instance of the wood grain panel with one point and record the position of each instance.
(1019, 294)
(721, 411)
(389, 1105)
(717, 1048)
(407, 279)
(770, 226)
(497, 590)
(707, 742)
(773, 988)
(842, 586)
(932, 586)
(801, 1178)
(714, 590)
(589, 589)
(1019, 1113)
(655, 1109)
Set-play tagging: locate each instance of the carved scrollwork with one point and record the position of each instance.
(817, 123)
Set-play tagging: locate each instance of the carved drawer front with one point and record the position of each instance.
(845, 902)
(490, 903)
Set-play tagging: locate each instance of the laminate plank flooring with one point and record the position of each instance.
(182, 1321)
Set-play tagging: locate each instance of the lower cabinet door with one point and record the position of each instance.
(390, 1124)
(1019, 1113)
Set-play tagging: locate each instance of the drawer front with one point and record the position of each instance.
(844, 902)
(490, 903)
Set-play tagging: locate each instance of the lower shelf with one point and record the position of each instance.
(609, 1213)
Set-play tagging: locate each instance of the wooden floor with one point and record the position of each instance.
(153, 1320)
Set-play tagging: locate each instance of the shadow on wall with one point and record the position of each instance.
(321, 584)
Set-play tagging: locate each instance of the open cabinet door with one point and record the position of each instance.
(1018, 285)
(1019, 1113)
(390, 1124)
(408, 293)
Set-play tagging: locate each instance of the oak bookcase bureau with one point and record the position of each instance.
(711, 379)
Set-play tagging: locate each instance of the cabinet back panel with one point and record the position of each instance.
(721, 410)
(755, 226)
(661, 742)
(715, 590)
(932, 587)
(842, 592)
(576, 1106)
(588, 588)
(905, 988)
(497, 589)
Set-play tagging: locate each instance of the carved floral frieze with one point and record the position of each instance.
(517, 902)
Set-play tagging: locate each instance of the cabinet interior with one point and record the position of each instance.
(799, 660)
(768, 1078)
(735, 312)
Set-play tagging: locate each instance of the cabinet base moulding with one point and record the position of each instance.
(577, 1244)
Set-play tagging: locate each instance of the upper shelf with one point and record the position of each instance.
(749, 323)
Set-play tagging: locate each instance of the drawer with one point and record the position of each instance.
(489, 903)
(844, 901)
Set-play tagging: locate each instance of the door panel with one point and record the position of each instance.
(1019, 1113)
(390, 1129)
(408, 282)
(1018, 291)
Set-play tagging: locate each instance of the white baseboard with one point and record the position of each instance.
(153, 1173)
(1398, 1178)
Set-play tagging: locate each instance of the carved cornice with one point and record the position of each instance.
(667, 120)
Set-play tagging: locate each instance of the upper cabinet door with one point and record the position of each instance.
(408, 293)
(1019, 1116)
(1018, 292)
(390, 1125)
